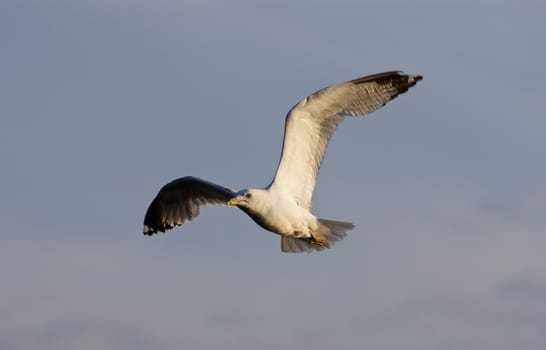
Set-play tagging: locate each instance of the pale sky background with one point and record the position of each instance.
(104, 101)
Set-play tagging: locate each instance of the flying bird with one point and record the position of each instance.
(284, 206)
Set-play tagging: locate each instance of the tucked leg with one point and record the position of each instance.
(318, 239)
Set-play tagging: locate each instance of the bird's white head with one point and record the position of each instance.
(244, 199)
(256, 203)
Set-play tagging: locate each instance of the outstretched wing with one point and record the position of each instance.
(310, 124)
(179, 201)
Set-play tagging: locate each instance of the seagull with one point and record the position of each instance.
(284, 206)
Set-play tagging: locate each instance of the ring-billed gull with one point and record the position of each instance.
(284, 206)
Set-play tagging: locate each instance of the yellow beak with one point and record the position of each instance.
(233, 202)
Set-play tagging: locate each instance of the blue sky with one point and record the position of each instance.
(102, 102)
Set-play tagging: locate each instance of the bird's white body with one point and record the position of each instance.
(278, 211)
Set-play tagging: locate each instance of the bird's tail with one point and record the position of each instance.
(329, 232)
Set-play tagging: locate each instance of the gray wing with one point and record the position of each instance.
(179, 201)
(310, 124)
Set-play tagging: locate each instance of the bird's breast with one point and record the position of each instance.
(281, 220)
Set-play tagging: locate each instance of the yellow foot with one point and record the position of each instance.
(317, 239)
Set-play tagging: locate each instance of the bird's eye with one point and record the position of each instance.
(248, 195)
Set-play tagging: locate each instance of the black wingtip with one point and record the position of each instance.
(415, 78)
(152, 219)
(402, 81)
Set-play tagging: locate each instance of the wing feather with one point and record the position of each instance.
(310, 124)
(178, 202)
